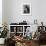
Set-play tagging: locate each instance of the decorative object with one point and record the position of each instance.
(2, 40)
(35, 21)
(3, 34)
(28, 33)
(26, 8)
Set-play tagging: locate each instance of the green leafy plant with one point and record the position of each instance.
(4, 32)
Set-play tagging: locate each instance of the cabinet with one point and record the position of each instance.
(18, 29)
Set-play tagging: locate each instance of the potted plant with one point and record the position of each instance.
(3, 34)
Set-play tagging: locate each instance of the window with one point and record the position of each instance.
(0, 13)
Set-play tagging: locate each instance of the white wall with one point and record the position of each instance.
(39, 10)
(4, 11)
(12, 11)
(16, 11)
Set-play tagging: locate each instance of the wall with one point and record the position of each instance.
(12, 11)
(4, 11)
(16, 9)
(39, 10)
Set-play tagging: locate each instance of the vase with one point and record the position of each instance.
(2, 40)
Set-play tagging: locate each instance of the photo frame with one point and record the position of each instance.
(26, 9)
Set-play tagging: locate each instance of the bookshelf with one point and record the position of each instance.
(18, 29)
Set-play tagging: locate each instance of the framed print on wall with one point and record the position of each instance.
(26, 9)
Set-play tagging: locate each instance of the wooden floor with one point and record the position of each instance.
(42, 45)
(32, 45)
(1, 45)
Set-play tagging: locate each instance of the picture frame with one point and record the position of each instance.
(26, 9)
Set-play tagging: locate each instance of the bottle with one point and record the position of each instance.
(35, 21)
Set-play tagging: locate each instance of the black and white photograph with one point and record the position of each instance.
(26, 9)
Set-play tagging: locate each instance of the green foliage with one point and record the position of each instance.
(4, 32)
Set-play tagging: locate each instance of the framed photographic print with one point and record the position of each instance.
(26, 9)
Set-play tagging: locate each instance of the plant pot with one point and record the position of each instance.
(2, 40)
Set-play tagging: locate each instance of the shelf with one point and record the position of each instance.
(12, 32)
(16, 32)
(19, 32)
(19, 25)
(22, 28)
